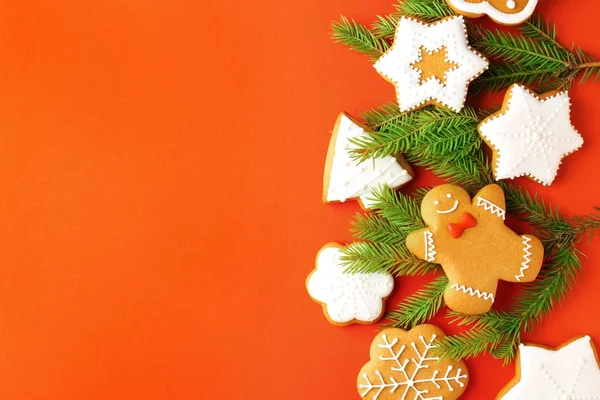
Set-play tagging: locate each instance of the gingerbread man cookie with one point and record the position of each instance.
(474, 247)
(505, 12)
(403, 366)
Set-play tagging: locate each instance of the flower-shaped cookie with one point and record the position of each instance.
(347, 298)
(403, 367)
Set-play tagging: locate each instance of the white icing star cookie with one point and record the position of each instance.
(345, 179)
(531, 134)
(347, 298)
(569, 373)
(431, 63)
(505, 12)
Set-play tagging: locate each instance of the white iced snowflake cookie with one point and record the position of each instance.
(345, 178)
(568, 373)
(530, 135)
(505, 12)
(347, 298)
(403, 367)
(431, 63)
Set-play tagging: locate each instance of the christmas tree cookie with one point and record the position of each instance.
(431, 63)
(530, 135)
(347, 298)
(505, 12)
(403, 367)
(569, 373)
(345, 178)
(474, 247)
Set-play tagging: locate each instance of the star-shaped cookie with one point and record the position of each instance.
(431, 63)
(569, 373)
(531, 134)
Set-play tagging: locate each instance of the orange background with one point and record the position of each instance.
(160, 198)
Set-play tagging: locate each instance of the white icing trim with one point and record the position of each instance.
(501, 17)
(347, 297)
(526, 257)
(454, 207)
(349, 180)
(396, 64)
(473, 292)
(491, 207)
(430, 252)
(410, 384)
(531, 136)
(570, 372)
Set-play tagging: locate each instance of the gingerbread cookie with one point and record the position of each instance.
(569, 373)
(474, 247)
(431, 63)
(530, 135)
(505, 12)
(347, 298)
(345, 179)
(402, 367)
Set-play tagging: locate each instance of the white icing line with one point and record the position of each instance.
(470, 291)
(526, 256)
(491, 207)
(430, 252)
(454, 207)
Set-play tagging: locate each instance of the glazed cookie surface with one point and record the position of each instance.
(347, 298)
(569, 373)
(403, 367)
(530, 135)
(469, 240)
(345, 179)
(505, 12)
(431, 63)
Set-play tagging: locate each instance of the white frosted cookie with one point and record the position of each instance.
(345, 178)
(347, 298)
(568, 373)
(431, 63)
(530, 135)
(505, 12)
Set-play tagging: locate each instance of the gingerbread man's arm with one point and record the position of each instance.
(491, 199)
(422, 244)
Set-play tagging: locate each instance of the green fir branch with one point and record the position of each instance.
(358, 38)
(587, 225)
(421, 306)
(427, 10)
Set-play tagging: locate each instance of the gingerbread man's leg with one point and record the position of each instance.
(525, 262)
(469, 296)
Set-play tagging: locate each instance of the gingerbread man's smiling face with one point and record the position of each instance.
(444, 204)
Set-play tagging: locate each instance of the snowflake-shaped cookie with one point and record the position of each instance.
(569, 373)
(531, 134)
(431, 63)
(345, 297)
(402, 367)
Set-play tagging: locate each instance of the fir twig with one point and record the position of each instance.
(359, 38)
(421, 306)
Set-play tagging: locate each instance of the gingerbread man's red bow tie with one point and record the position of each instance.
(466, 221)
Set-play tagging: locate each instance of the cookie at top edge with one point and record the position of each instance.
(504, 12)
